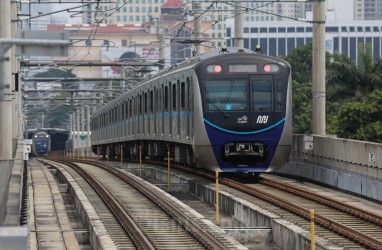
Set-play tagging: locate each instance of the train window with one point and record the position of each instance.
(226, 95)
(174, 97)
(261, 95)
(146, 103)
(166, 98)
(130, 108)
(151, 101)
(127, 109)
(182, 95)
(279, 91)
(140, 104)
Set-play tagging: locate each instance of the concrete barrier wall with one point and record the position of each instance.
(339, 152)
(5, 175)
(354, 166)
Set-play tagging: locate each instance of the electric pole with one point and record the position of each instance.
(319, 94)
(5, 83)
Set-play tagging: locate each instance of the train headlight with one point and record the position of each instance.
(270, 68)
(214, 68)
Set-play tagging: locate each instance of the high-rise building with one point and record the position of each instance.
(368, 9)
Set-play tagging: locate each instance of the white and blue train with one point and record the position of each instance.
(226, 112)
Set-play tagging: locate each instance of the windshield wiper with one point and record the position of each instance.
(226, 116)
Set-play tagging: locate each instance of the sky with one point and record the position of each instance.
(343, 8)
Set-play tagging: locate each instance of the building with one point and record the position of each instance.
(368, 9)
(123, 43)
(280, 38)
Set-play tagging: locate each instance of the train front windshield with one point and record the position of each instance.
(226, 95)
(41, 141)
(232, 95)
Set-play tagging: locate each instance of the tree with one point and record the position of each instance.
(56, 117)
(300, 60)
(346, 80)
(353, 96)
(361, 120)
(56, 73)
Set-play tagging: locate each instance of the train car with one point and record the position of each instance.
(227, 112)
(40, 144)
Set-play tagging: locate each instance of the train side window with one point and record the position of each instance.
(151, 101)
(261, 95)
(279, 92)
(166, 98)
(140, 104)
(130, 108)
(182, 95)
(174, 97)
(146, 99)
(127, 109)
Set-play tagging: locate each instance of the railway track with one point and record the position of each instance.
(151, 220)
(345, 225)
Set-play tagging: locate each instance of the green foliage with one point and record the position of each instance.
(361, 120)
(353, 94)
(302, 107)
(56, 73)
(58, 116)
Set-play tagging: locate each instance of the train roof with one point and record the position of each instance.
(189, 63)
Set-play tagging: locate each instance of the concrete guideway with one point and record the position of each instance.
(49, 224)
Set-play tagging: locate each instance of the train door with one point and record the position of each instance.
(261, 102)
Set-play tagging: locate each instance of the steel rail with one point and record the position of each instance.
(355, 211)
(191, 226)
(138, 237)
(330, 224)
(339, 228)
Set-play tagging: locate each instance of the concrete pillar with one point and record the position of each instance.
(82, 129)
(88, 143)
(78, 133)
(198, 24)
(6, 130)
(319, 94)
(238, 40)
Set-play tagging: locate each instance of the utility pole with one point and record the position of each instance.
(319, 92)
(238, 40)
(5, 83)
(198, 24)
(78, 133)
(88, 131)
(82, 129)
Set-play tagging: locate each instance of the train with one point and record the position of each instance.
(40, 143)
(223, 111)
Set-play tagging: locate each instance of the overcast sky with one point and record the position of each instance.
(343, 8)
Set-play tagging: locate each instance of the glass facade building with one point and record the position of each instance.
(280, 38)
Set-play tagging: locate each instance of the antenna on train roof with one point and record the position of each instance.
(224, 50)
(258, 49)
